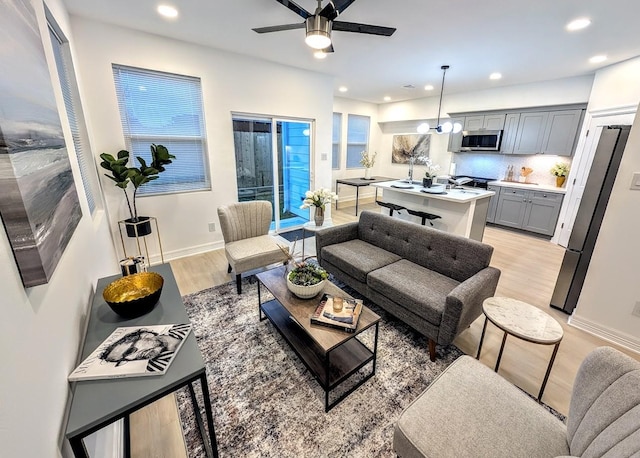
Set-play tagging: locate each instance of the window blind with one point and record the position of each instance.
(64, 67)
(165, 109)
(337, 136)
(357, 139)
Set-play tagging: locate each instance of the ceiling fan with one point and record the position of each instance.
(319, 25)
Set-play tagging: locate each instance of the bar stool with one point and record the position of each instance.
(390, 206)
(424, 215)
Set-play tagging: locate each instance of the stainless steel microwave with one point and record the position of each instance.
(481, 140)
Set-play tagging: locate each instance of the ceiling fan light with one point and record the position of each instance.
(318, 32)
(457, 127)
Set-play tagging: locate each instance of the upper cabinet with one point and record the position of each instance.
(543, 130)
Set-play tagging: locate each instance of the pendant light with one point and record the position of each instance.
(446, 127)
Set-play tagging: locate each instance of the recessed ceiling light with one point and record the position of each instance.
(343, 89)
(428, 87)
(578, 24)
(495, 76)
(167, 11)
(597, 59)
(387, 98)
(320, 54)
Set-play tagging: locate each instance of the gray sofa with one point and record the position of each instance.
(432, 280)
(470, 411)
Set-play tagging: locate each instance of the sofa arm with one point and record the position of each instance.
(335, 234)
(464, 304)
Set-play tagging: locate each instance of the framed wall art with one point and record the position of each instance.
(411, 145)
(39, 205)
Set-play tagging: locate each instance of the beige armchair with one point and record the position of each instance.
(247, 243)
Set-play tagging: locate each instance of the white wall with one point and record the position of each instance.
(41, 326)
(611, 287)
(230, 83)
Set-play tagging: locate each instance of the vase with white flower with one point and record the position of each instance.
(430, 173)
(318, 199)
(560, 171)
(367, 161)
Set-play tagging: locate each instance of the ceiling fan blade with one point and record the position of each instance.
(300, 11)
(278, 28)
(329, 11)
(341, 5)
(363, 28)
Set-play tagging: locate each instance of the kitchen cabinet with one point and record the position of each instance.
(561, 132)
(530, 134)
(455, 140)
(489, 122)
(493, 203)
(509, 133)
(529, 210)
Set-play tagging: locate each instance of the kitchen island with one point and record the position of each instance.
(462, 211)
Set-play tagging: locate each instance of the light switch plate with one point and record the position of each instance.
(323, 156)
(635, 182)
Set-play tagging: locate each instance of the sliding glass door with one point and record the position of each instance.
(273, 160)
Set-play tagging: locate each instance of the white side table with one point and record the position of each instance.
(525, 322)
(311, 227)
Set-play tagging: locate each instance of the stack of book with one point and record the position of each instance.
(346, 319)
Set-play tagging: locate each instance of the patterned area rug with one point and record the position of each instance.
(267, 404)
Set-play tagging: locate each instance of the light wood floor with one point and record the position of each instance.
(529, 268)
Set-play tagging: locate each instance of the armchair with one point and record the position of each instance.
(247, 243)
(470, 411)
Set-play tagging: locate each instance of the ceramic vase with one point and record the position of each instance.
(427, 182)
(367, 173)
(560, 181)
(318, 217)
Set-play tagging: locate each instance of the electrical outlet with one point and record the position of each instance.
(212, 227)
(636, 310)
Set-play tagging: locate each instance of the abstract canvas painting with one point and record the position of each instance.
(39, 203)
(412, 145)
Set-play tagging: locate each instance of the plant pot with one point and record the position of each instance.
(305, 292)
(427, 182)
(138, 228)
(318, 216)
(560, 181)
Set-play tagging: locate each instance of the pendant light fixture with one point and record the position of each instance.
(446, 127)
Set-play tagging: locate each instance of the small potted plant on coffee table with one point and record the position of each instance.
(307, 278)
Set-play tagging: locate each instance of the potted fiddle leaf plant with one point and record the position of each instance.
(122, 175)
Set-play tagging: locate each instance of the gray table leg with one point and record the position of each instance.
(504, 339)
(546, 376)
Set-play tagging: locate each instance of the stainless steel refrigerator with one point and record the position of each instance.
(586, 227)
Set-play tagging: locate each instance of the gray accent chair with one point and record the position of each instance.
(470, 411)
(432, 280)
(247, 243)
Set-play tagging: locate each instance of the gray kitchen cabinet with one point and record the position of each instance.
(533, 211)
(489, 122)
(455, 140)
(531, 130)
(509, 133)
(561, 132)
(493, 203)
(511, 207)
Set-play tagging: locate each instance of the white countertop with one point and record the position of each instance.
(463, 195)
(531, 186)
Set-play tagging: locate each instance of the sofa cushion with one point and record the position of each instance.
(357, 258)
(470, 411)
(420, 290)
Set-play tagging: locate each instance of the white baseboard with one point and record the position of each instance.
(190, 251)
(611, 335)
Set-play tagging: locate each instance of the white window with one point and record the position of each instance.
(73, 107)
(337, 140)
(357, 139)
(164, 109)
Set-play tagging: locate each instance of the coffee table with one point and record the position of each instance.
(331, 355)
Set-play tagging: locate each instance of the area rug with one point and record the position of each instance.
(267, 404)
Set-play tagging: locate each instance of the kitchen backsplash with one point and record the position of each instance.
(488, 165)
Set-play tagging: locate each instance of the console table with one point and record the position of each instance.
(98, 403)
(358, 183)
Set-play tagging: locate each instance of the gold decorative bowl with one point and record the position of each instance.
(134, 295)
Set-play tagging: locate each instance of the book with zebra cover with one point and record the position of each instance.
(133, 351)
